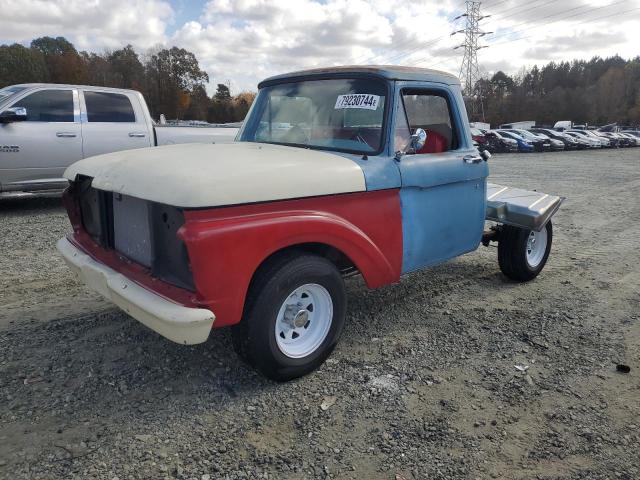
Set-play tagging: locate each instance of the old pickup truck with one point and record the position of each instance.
(46, 127)
(337, 171)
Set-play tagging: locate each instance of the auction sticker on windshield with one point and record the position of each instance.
(358, 100)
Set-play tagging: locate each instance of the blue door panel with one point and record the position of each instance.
(441, 222)
(442, 197)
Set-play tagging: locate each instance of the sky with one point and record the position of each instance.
(243, 41)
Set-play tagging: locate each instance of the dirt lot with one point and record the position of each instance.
(422, 385)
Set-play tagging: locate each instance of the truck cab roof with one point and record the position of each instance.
(385, 72)
(28, 86)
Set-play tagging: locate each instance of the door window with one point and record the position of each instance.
(429, 111)
(48, 106)
(108, 107)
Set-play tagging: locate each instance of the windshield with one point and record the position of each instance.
(8, 91)
(512, 135)
(526, 134)
(336, 114)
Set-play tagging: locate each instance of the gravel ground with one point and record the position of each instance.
(422, 385)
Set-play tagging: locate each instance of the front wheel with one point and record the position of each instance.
(294, 315)
(522, 254)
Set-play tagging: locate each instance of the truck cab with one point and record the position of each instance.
(44, 128)
(442, 184)
(53, 126)
(337, 171)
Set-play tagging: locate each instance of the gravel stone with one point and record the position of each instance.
(423, 377)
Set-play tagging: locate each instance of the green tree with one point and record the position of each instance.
(19, 64)
(223, 93)
(169, 73)
(64, 63)
(126, 68)
(50, 46)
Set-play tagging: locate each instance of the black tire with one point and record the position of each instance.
(512, 253)
(254, 338)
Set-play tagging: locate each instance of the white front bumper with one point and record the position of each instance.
(176, 322)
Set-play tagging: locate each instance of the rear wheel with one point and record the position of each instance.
(522, 254)
(294, 316)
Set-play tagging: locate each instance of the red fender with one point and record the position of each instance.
(227, 245)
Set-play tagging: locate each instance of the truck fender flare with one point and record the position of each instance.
(250, 240)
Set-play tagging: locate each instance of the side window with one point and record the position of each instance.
(108, 107)
(401, 134)
(48, 106)
(430, 111)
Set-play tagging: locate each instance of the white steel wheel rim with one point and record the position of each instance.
(304, 320)
(536, 247)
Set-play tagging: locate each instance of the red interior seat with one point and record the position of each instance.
(436, 143)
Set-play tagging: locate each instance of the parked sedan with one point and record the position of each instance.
(539, 144)
(599, 142)
(568, 141)
(478, 136)
(555, 145)
(624, 140)
(524, 145)
(615, 140)
(497, 143)
(583, 142)
(634, 140)
(634, 133)
(594, 142)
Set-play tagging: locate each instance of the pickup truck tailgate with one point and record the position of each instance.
(521, 208)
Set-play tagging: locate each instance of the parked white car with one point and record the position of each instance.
(599, 141)
(593, 142)
(44, 128)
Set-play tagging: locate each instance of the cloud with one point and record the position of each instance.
(244, 41)
(247, 40)
(89, 24)
(559, 31)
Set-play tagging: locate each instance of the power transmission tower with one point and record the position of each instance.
(469, 70)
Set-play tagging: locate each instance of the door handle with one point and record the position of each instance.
(136, 135)
(472, 159)
(65, 134)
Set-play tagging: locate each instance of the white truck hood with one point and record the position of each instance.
(209, 175)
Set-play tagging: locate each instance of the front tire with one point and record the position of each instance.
(522, 253)
(294, 315)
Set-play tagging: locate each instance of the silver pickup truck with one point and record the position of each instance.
(44, 128)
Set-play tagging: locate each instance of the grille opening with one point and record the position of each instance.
(96, 212)
(144, 232)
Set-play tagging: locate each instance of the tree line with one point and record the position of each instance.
(596, 92)
(170, 79)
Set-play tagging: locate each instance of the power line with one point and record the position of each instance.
(588, 20)
(435, 41)
(534, 7)
(589, 10)
(497, 3)
(422, 46)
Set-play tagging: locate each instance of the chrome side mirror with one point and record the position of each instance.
(416, 142)
(485, 154)
(418, 139)
(13, 114)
